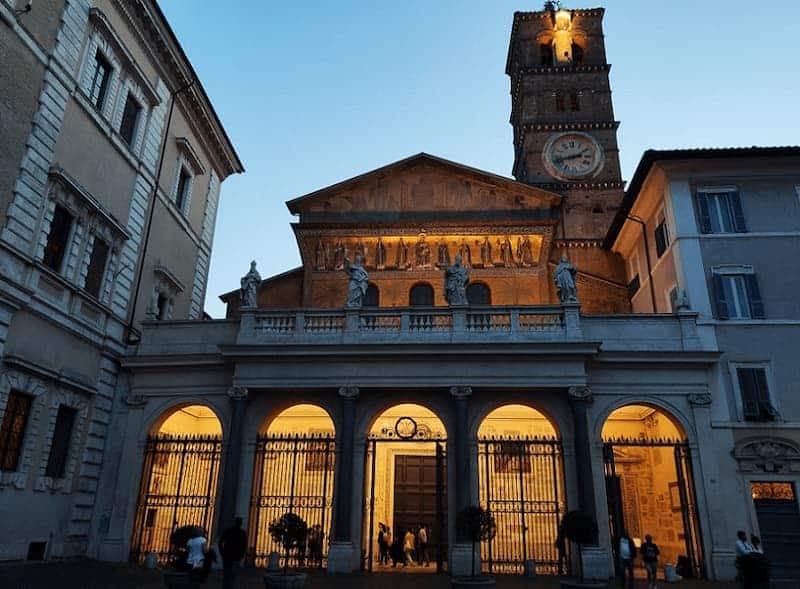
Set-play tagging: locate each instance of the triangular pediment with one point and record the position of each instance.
(423, 184)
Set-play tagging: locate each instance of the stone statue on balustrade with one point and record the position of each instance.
(250, 283)
(564, 277)
(357, 286)
(455, 283)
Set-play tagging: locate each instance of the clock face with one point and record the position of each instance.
(572, 155)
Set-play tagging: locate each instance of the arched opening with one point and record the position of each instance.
(479, 293)
(179, 478)
(421, 295)
(650, 485)
(405, 507)
(372, 298)
(294, 468)
(521, 477)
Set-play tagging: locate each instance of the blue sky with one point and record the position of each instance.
(312, 93)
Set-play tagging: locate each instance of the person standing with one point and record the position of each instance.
(408, 547)
(650, 554)
(627, 552)
(382, 545)
(232, 546)
(422, 546)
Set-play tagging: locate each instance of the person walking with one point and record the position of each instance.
(408, 547)
(650, 554)
(627, 552)
(197, 558)
(422, 546)
(232, 546)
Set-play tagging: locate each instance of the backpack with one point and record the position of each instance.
(649, 552)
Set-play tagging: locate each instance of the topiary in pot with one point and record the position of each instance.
(289, 531)
(579, 527)
(478, 525)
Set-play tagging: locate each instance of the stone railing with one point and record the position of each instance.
(411, 324)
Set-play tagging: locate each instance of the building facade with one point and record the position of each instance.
(111, 163)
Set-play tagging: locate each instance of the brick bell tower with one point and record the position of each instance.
(565, 135)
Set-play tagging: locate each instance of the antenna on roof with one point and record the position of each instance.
(552, 5)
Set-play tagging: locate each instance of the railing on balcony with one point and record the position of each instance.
(468, 323)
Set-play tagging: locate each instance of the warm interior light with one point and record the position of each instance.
(562, 37)
(192, 420)
(301, 419)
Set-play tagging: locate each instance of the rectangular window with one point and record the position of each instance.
(57, 239)
(130, 116)
(97, 268)
(738, 296)
(662, 237)
(574, 101)
(182, 191)
(101, 74)
(59, 449)
(12, 429)
(721, 212)
(756, 403)
(560, 106)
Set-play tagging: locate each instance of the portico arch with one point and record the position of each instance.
(179, 477)
(294, 472)
(650, 483)
(521, 481)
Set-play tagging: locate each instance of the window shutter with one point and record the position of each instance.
(719, 297)
(705, 217)
(766, 410)
(748, 387)
(738, 214)
(754, 296)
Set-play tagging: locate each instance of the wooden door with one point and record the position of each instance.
(414, 493)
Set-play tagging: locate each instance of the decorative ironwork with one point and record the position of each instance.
(522, 484)
(179, 485)
(405, 428)
(292, 474)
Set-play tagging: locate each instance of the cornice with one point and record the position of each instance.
(563, 186)
(578, 125)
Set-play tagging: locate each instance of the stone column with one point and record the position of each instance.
(341, 551)
(461, 557)
(597, 563)
(233, 457)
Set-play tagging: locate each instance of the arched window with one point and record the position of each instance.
(479, 293)
(421, 295)
(373, 296)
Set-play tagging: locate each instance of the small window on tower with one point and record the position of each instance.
(560, 106)
(574, 101)
(546, 53)
(577, 54)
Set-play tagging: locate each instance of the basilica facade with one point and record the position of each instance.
(619, 389)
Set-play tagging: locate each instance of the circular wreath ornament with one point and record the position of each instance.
(405, 428)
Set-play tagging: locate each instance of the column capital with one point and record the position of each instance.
(348, 392)
(700, 399)
(461, 392)
(237, 393)
(580, 394)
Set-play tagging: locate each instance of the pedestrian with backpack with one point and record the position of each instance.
(650, 554)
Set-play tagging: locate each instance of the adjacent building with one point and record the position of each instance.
(111, 162)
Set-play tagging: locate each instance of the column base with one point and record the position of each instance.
(340, 557)
(598, 565)
(461, 560)
(723, 563)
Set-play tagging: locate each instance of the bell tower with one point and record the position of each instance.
(565, 135)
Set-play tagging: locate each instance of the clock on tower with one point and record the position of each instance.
(565, 135)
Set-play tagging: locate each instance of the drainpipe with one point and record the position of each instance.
(138, 282)
(636, 219)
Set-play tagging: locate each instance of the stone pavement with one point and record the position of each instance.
(95, 575)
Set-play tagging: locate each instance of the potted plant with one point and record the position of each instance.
(479, 526)
(580, 528)
(289, 531)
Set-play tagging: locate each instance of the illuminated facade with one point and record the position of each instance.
(399, 413)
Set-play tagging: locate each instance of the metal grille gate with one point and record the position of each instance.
(522, 484)
(685, 487)
(179, 485)
(292, 474)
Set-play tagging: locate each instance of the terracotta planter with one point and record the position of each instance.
(287, 581)
(469, 583)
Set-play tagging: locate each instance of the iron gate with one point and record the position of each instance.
(683, 501)
(522, 484)
(179, 485)
(425, 508)
(293, 474)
